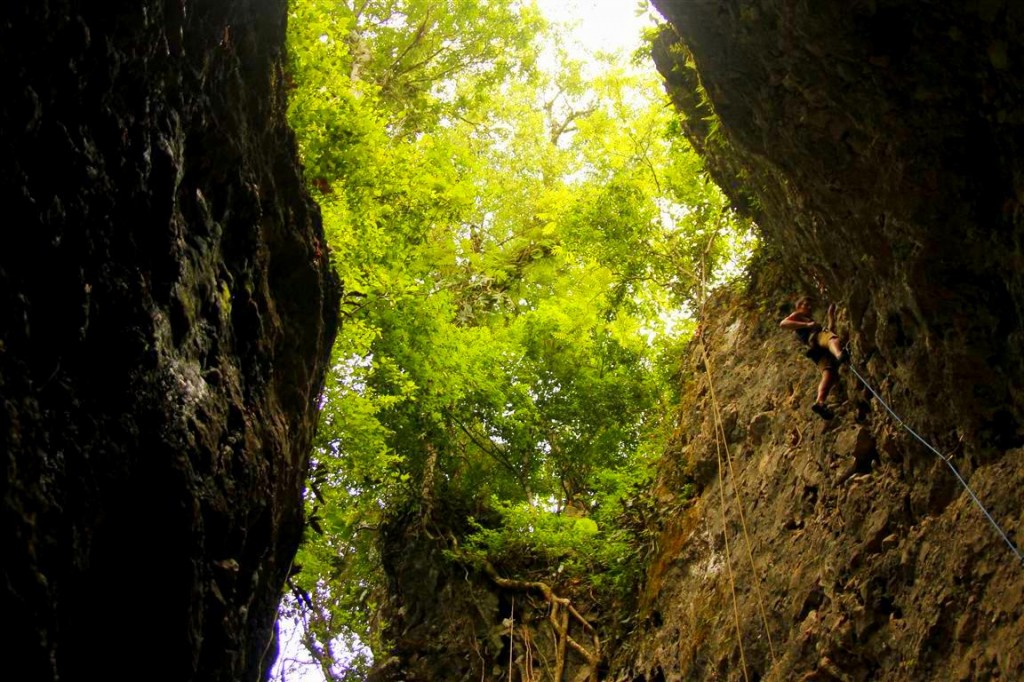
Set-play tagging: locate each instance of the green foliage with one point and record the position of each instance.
(536, 544)
(522, 252)
(597, 551)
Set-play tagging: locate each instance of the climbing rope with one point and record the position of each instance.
(721, 442)
(721, 437)
(1002, 533)
(728, 560)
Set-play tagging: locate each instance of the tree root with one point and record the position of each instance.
(559, 617)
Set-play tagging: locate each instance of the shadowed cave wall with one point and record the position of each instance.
(878, 146)
(166, 314)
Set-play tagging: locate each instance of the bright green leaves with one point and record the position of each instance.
(431, 62)
(512, 243)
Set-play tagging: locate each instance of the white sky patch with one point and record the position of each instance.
(598, 34)
(293, 662)
(602, 25)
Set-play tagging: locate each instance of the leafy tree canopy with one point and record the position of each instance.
(520, 247)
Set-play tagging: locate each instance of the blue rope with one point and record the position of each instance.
(952, 468)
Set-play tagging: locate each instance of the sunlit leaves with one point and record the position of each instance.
(516, 248)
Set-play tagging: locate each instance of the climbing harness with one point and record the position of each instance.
(945, 459)
(721, 442)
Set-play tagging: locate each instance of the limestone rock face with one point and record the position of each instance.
(166, 314)
(851, 547)
(879, 146)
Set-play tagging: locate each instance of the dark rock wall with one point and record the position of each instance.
(444, 621)
(879, 146)
(166, 314)
(865, 561)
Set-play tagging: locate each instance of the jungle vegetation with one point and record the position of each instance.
(524, 242)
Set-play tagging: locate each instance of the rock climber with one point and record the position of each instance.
(824, 347)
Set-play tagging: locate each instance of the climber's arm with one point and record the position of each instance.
(798, 321)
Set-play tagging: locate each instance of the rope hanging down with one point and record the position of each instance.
(952, 468)
(721, 443)
(724, 441)
(725, 535)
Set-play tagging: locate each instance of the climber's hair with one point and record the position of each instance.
(804, 299)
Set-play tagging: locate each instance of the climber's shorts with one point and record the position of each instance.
(819, 351)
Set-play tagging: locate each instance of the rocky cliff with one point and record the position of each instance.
(166, 313)
(851, 551)
(879, 146)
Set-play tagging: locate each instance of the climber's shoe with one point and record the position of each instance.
(822, 411)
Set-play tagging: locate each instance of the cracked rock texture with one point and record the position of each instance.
(878, 145)
(857, 553)
(166, 314)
